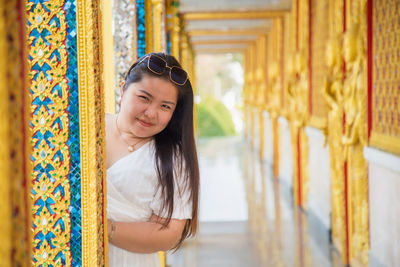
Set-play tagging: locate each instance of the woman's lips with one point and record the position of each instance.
(145, 123)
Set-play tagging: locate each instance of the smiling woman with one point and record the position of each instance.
(152, 168)
(146, 107)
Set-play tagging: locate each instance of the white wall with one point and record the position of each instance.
(319, 196)
(384, 207)
(268, 139)
(286, 157)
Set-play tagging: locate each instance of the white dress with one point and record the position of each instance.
(133, 195)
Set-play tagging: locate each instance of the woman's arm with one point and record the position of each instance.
(146, 237)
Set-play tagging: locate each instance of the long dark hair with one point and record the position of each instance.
(175, 143)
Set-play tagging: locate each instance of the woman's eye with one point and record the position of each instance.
(166, 107)
(144, 97)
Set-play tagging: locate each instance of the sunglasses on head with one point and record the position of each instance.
(158, 65)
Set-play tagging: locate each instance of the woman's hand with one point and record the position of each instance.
(147, 237)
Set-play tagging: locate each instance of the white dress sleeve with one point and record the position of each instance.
(182, 202)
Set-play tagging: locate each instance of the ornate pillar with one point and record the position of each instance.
(184, 59)
(141, 28)
(274, 87)
(260, 87)
(15, 138)
(246, 95)
(355, 136)
(333, 94)
(148, 9)
(126, 45)
(157, 17)
(173, 27)
(298, 95)
(252, 91)
(67, 115)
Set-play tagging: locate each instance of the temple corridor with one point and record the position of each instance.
(310, 178)
(275, 234)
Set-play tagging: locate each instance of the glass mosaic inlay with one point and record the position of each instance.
(141, 28)
(55, 194)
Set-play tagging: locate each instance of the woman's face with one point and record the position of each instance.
(147, 106)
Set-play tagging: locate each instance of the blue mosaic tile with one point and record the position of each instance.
(169, 44)
(74, 138)
(140, 11)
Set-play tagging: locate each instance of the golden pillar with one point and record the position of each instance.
(92, 133)
(333, 94)
(274, 86)
(355, 130)
(245, 93)
(252, 91)
(15, 138)
(67, 115)
(157, 17)
(173, 27)
(149, 25)
(260, 86)
(184, 51)
(297, 94)
(332, 91)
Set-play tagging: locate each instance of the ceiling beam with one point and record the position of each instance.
(220, 51)
(222, 41)
(213, 32)
(255, 14)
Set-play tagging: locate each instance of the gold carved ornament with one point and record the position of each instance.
(15, 138)
(92, 134)
(355, 136)
(333, 94)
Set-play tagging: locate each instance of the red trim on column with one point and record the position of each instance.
(299, 178)
(310, 56)
(370, 62)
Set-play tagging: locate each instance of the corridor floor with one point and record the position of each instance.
(247, 217)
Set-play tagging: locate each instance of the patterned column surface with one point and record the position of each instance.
(56, 188)
(386, 76)
(125, 39)
(14, 138)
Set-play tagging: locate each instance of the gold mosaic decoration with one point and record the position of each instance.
(355, 131)
(15, 225)
(91, 110)
(275, 85)
(149, 25)
(288, 48)
(51, 219)
(298, 97)
(386, 76)
(333, 94)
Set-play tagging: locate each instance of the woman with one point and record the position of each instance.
(152, 167)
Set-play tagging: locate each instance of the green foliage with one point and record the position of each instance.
(214, 119)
